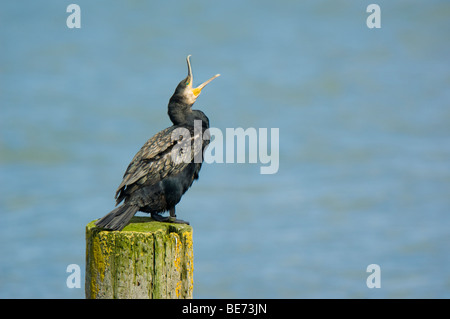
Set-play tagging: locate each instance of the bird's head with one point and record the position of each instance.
(185, 91)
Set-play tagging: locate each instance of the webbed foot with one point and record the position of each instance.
(169, 219)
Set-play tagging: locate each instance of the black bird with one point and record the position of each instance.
(168, 163)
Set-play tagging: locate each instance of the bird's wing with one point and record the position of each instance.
(165, 154)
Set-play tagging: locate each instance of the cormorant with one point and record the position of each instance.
(155, 180)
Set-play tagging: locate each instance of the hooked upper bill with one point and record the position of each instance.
(196, 91)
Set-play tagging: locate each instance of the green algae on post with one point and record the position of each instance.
(147, 259)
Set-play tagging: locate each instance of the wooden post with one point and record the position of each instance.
(147, 259)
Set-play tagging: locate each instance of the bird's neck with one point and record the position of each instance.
(181, 113)
(178, 111)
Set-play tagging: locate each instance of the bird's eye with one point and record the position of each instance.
(188, 81)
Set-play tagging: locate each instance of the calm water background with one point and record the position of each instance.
(364, 120)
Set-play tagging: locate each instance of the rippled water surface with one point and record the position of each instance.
(364, 124)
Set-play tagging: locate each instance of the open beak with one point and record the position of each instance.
(199, 88)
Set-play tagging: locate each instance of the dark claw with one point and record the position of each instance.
(177, 221)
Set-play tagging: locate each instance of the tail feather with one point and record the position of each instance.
(118, 218)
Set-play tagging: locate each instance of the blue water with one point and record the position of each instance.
(364, 120)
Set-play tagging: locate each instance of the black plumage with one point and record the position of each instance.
(168, 163)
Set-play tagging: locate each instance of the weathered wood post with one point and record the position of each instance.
(147, 259)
